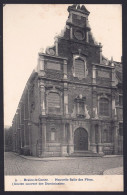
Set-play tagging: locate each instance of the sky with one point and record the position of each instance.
(30, 28)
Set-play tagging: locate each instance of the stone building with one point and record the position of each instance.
(72, 102)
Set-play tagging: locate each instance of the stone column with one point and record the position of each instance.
(41, 67)
(71, 32)
(42, 97)
(87, 36)
(14, 131)
(116, 127)
(16, 128)
(18, 131)
(113, 75)
(24, 128)
(71, 145)
(114, 115)
(88, 29)
(65, 69)
(100, 50)
(92, 134)
(94, 74)
(29, 122)
(56, 46)
(64, 145)
(100, 145)
(20, 127)
(95, 104)
(65, 99)
(43, 129)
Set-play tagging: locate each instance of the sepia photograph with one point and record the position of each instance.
(63, 97)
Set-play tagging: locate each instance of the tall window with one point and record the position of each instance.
(107, 136)
(79, 68)
(80, 105)
(120, 100)
(53, 134)
(81, 108)
(104, 107)
(121, 129)
(53, 103)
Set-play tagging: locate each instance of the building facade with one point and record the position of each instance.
(72, 102)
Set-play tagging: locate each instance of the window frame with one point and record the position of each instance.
(107, 138)
(102, 113)
(78, 57)
(121, 103)
(54, 108)
(120, 129)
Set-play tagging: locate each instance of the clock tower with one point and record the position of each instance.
(78, 22)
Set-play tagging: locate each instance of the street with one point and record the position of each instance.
(16, 165)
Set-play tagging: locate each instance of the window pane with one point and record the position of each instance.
(120, 129)
(79, 68)
(120, 100)
(107, 136)
(52, 136)
(104, 107)
(53, 102)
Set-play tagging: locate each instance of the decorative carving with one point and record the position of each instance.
(80, 98)
(59, 88)
(79, 35)
(32, 106)
(103, 74)
(48, 87)
(75, 50)
(74, 112)
(53, 66)
(50, 51)
(87, 112)
(95, 114)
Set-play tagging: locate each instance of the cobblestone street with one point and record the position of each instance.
(16, 165)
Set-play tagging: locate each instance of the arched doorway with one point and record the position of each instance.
(80, 139)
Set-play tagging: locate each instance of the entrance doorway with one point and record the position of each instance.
(80, 139)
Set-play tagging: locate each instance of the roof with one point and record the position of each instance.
(77, 8)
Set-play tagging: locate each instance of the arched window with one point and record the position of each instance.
(104, 107)
(53, 103)
(79, 68)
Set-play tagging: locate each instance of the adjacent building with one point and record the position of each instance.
(72, 102)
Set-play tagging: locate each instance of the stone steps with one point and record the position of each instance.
(87, 153)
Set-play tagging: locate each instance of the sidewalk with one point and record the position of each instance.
(44, 159)
(60, 158)
(112, 156)
(114, 171)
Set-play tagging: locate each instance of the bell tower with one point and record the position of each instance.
(78, 22)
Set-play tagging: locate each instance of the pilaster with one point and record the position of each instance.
(42, 97)
(71, 145)
(64, 145)
(43, 133)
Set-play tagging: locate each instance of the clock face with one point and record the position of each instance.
(79, 35)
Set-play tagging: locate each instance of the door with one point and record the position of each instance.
(80, 139)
